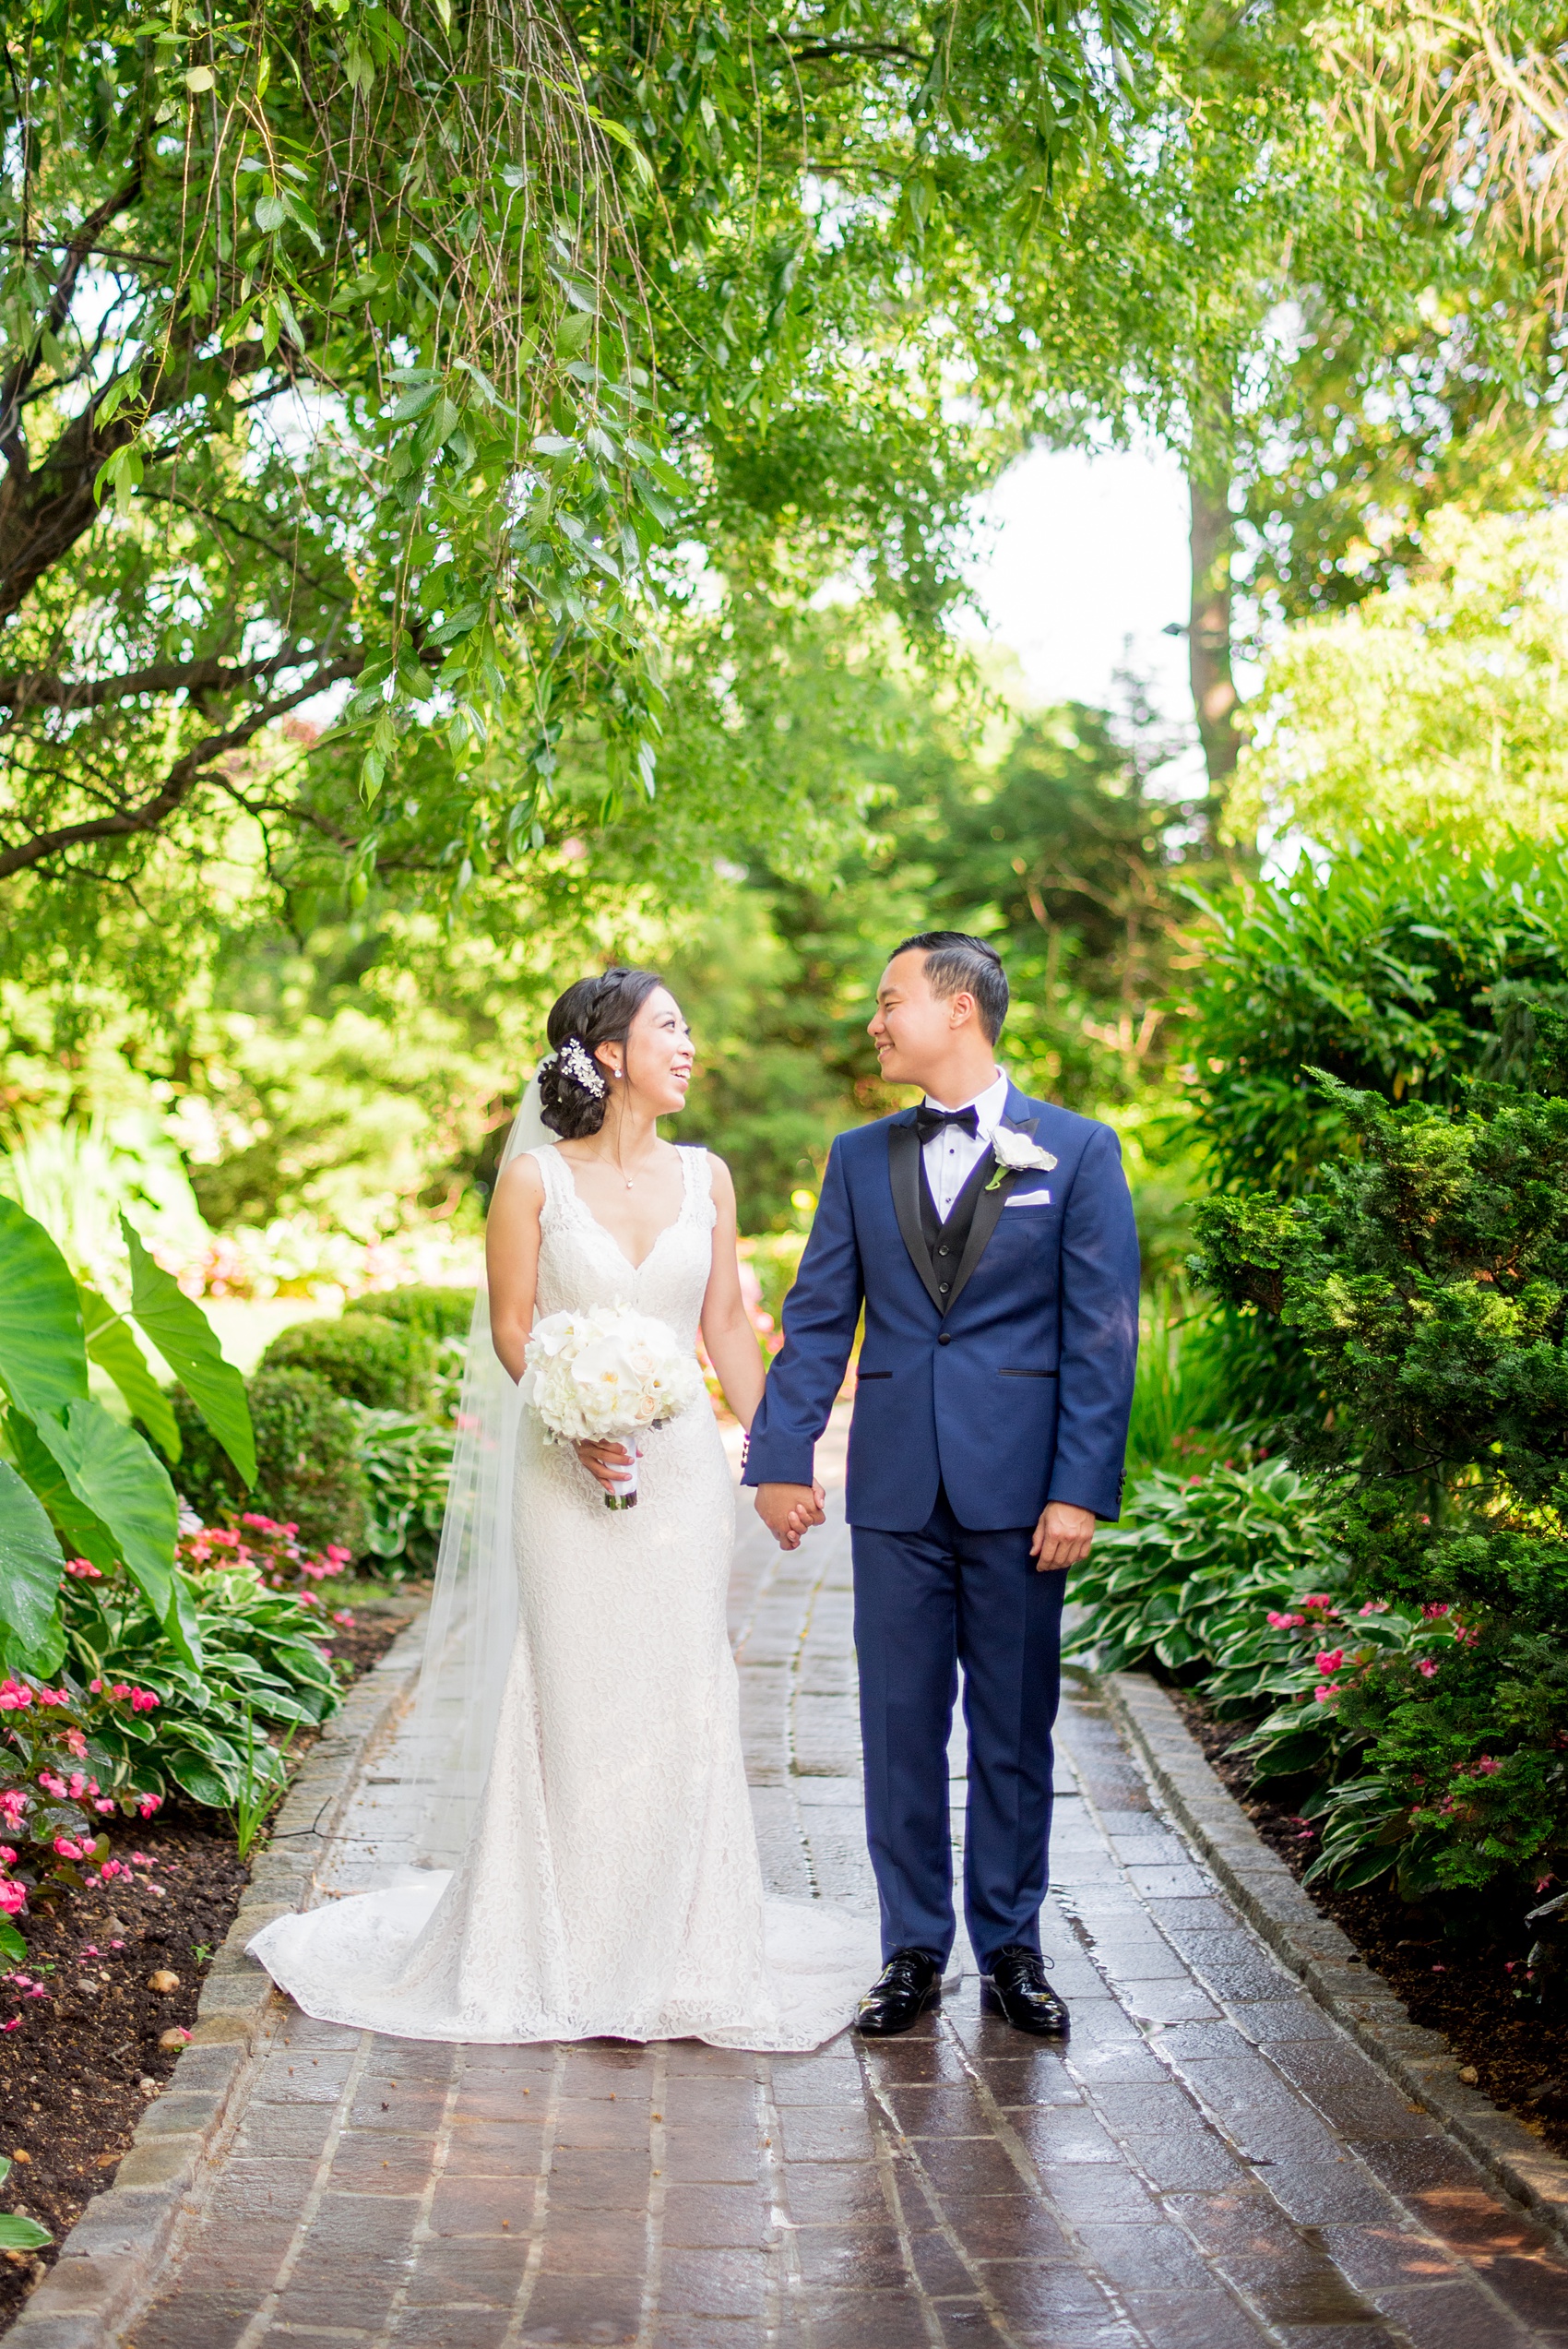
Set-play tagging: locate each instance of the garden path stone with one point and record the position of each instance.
(1210, 2164)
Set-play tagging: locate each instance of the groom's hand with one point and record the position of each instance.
(1062, 1537)
(787, 1509)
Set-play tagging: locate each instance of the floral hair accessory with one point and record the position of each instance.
(583, 1071)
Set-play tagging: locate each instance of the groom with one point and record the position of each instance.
(990, 1239)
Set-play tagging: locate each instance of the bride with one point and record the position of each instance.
(609, 1884)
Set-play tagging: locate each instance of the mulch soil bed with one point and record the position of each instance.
(91, 2052)
(1462, 1987)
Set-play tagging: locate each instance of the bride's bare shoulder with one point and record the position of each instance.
(721, 1178)
(521, 1185)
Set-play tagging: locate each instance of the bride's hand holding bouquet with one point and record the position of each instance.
(596, 1377)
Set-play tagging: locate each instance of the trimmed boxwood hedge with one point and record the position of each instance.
(440, 1313)
(307, 1450)
(384, 1363)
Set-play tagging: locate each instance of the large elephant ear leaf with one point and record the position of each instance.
(83, 1531)
(116, 1476)
(42, 1355)
(184, 1337)
(111, 1343)
(31, 1563)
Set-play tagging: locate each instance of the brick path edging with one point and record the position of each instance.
(1322, 1957)
(112, 2259)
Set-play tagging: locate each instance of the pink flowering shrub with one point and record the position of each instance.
(59, 1779)
(261, 1545)
(163, 1724)
(1440, 1740)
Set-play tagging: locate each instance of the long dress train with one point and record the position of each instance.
(611, 1885)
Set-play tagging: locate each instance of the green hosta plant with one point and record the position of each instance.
(259, 1658)
(18, 2233)
(1190, 1576)
(407, 1463)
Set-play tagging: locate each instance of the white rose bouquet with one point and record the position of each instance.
(606, 1374)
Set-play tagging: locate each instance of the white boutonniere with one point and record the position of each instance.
(1016, 1154)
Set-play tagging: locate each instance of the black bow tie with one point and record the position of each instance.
(929, 1121)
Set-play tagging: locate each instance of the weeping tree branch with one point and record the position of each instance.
(151, 814)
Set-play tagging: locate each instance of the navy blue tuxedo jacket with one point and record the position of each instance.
(1013, 1391)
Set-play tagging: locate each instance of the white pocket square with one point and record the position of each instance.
(1029, 1198)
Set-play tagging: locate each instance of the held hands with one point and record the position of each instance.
(788, 1510)
(606, 1462)
(1062, 1537)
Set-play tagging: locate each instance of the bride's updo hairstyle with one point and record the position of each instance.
(574, 1087)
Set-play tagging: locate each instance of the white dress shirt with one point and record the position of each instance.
(952, 1155)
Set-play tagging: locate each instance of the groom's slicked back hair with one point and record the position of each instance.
(957, 964)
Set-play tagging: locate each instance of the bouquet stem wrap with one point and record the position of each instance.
(605, 1374)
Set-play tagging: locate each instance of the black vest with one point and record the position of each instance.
(945, 1242)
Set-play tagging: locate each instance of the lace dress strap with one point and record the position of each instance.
(697, 1168)
(559, 1189)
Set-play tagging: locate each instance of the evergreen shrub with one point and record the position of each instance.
(1427, 1283)
(440, 1313)
(386, 1364)
(308, 1473)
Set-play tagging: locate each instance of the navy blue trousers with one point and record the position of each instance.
(925, 1603)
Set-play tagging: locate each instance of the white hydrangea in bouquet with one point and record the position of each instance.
(604, 1376)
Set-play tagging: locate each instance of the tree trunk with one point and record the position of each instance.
(1213, 542)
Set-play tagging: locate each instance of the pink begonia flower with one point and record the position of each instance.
(8, 1857)
(1331, 1659)
(116, 1945)
(87, 1949)
(143, 1700)
(148, 1805)
(13, 1696)
(77, 1743)
(37, 1991)
(1324, 1691)
(1426, 1668)
(15, 2023)
(70, 1850)
(1375, 1607)
(345, 1618)
(1434, 1608)
(52, 1785)
(143, 1859)
(1286, 1622)
(111, 1869)
(13, 1806)
(1319, 1599)
(84, 1570)
(1486, 1767)
(13, 1897)
(104, 1805)
(96, 1687)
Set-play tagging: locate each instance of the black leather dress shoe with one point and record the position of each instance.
(908, 1985)
(1016, 1988)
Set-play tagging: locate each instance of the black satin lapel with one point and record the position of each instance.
(988, 1213)
(904, 1173)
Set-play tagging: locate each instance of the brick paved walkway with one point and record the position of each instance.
(1208, 2165)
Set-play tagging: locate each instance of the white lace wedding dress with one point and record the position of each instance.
(611, 1885)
